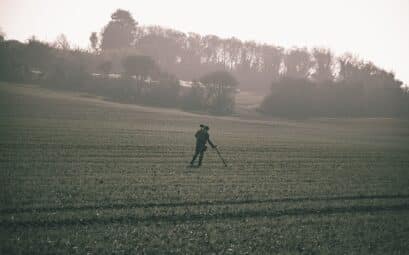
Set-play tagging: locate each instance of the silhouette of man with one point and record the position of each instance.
(202, 137)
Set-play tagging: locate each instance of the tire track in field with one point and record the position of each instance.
(198, 203)
(128, 219)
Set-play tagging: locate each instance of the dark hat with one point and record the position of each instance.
(204, 126)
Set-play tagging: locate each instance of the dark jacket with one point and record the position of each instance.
(202, 137)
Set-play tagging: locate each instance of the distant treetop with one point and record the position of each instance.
(120, 31)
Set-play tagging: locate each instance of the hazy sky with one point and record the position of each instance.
(376, 30)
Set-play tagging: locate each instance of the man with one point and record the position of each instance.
(202, 137)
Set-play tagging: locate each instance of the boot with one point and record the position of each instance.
(193, 159)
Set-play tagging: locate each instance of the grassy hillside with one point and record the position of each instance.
(81, 175)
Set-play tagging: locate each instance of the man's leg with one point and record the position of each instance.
(201, 157)
(194, 157)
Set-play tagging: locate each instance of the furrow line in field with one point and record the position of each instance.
(199, 203)
(130, 219)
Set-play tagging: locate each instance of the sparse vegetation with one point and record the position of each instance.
(81, 175)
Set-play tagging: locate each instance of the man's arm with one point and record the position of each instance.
(210, 142)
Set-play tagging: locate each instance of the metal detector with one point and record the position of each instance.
(220, 156)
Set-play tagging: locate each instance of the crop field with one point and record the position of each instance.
(80, 175)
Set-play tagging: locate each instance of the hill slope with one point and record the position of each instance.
(84, 175)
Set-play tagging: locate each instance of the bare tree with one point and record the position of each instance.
(94, 41)
(298, 63)
(2, 35)
(141, 67)
(323, 71)
(220, 86)
(62, 42)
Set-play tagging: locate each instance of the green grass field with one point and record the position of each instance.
(80, 175)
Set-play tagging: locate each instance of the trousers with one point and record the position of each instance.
(199, 151)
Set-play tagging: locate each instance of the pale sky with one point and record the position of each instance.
(375, 30)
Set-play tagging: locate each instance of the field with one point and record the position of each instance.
(80, 175)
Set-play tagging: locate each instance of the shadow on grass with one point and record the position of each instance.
(186, 217)
(195, 203)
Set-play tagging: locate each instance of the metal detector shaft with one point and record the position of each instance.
(220, 156)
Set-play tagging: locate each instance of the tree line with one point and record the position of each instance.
(137, 80)
(300, 82)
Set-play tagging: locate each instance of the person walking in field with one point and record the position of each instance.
(202, 137)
